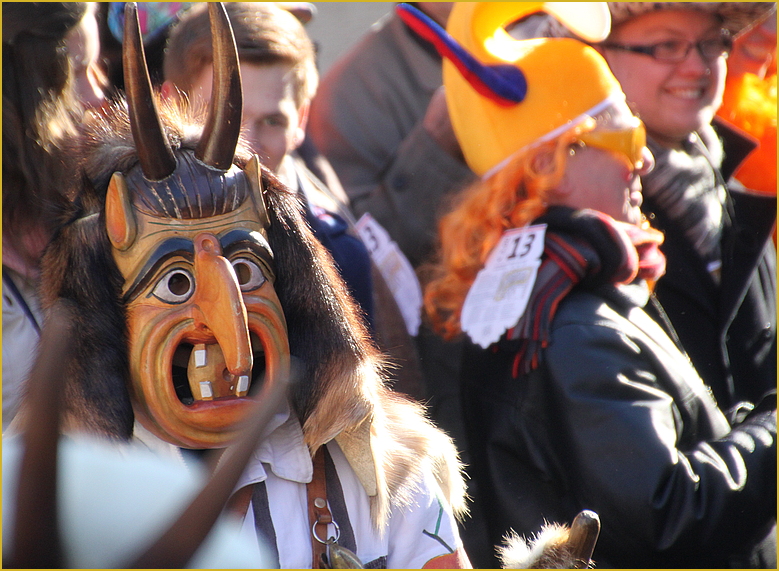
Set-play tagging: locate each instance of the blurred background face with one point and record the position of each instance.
(673, 99)
(274, 124)
(83, 46)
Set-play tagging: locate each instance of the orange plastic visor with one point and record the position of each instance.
(627, 141)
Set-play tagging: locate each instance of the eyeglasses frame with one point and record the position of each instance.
(650, 50)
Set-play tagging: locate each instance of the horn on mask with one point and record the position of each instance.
(223, 126)
(155, 156)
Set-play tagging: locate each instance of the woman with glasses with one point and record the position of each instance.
(719, 290)
(575, 396)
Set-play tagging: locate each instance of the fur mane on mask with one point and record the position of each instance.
(78, 266)
(343, 384)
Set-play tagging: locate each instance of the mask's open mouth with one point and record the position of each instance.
(199, 373)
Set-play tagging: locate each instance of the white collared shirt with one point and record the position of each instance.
(422, 531)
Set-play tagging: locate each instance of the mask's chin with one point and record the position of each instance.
(199, 373)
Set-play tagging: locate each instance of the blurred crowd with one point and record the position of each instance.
(525, 254)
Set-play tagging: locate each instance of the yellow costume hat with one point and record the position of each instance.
(504, 94)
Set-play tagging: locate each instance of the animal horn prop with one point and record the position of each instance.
(154, 154)
(223, 126)
(583, 537)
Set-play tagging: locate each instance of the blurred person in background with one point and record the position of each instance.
(380, 118)
(51, 73)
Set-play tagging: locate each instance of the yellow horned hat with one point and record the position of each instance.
(504, 94)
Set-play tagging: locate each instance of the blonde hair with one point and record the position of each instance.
(512, 197)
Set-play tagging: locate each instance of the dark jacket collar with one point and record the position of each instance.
(736, 143)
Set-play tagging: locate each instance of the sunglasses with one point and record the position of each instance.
(628, 142)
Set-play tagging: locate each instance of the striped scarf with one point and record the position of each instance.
(587, 248)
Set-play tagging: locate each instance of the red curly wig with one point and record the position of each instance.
(512, 197)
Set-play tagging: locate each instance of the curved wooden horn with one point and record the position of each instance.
(223, 126)
(37, 542)
(582, 538)
(154, 154)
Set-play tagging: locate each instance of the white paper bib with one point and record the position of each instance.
(396, 270)
(499, 295)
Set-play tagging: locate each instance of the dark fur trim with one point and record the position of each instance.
(78, 266)
(324, 328)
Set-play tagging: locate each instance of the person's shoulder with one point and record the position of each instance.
(315, 190)
(605, 306)
(387, 55)
(581, 305)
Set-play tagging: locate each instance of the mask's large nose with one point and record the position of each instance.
(219, 308)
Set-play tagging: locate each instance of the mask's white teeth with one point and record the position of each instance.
(203, 361)
(200, 356)
(243, 386)
(208, 376)
(206, 392)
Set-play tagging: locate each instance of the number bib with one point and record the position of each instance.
(499, 295)
(395, 269)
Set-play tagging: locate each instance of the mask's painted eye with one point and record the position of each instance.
(175, 287)
(249, 274)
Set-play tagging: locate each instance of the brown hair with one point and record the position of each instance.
(264, 34)
(40, 112)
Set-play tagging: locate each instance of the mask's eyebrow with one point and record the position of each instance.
(250, 240)
(172, 246)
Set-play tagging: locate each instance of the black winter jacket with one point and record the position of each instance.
(729, 331)
(617, 420)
